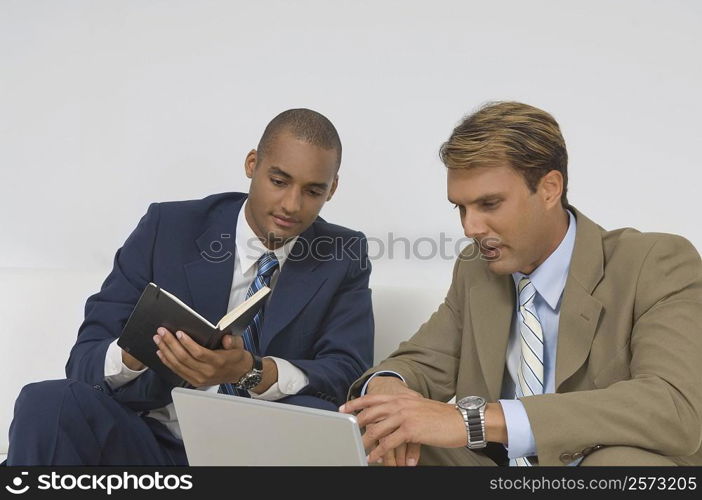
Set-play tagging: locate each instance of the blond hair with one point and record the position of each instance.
(527, 138)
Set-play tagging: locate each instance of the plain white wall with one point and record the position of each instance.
(106, 106)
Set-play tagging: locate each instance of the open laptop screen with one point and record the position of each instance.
(219, 429)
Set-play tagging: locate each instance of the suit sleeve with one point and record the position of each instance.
(344, 348)
(106, 313)
(659, 408)
(428, 362)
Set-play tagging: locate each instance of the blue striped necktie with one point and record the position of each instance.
(267, 264)
(530, 374)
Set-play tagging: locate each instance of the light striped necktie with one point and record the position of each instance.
(267, 264)
(530, 373)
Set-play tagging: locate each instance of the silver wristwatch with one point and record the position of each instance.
(472, 408)
(252, 378)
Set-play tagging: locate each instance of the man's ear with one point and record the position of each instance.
(334, 185)
(250, 163)
(551, 188)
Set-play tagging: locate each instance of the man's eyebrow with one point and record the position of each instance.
(488, 197)
(320, 185)
(279, 171)
(481, 199)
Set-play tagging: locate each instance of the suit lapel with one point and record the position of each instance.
(296, 285)
(580, 311)
(491, 309)
(210, 275)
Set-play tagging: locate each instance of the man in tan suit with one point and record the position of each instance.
(564, 342)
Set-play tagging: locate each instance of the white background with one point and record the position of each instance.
(106, 106)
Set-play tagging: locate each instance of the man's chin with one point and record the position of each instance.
(277, 237)
(499, 266)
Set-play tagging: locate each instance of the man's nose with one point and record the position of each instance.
(473, 225)
(292, 201)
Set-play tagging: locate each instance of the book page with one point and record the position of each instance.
(241, 308)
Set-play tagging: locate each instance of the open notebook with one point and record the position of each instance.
(157, 307)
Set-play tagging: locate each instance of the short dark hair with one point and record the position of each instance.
(306, 125)
(528, 138)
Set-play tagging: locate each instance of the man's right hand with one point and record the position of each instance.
(406, 454)
(131, 362)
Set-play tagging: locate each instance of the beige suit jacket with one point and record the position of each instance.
(629, 353)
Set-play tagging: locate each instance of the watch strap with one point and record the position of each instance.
(475, 426)
(257, 363)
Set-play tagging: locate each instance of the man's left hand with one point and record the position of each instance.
(198, 365)
(404, 419)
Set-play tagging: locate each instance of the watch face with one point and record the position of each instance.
(471, 402)
(250, 380)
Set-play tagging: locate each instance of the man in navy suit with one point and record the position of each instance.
(314, 340)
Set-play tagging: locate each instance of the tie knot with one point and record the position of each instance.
(267, 264)
(526, 291)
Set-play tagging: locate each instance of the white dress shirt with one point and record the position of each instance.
(248, 250)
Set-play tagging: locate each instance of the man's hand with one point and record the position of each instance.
(200, 366)
(406, 453)
(406, 419)
(131, 362)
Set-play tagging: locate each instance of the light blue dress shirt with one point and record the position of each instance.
(549, 280)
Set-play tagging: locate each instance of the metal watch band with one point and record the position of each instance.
(475, 426)
(464, 414)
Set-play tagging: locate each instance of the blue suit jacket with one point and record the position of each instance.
(319, 316)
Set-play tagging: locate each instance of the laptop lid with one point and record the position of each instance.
(219, 429)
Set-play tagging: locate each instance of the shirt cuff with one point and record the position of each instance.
(519, 435)
(290, 381)
(384, 373)
(116, 372)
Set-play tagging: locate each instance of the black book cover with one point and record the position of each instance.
(157, 307)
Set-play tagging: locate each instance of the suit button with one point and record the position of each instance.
(577, 455)
(98, 387)
(566, 458)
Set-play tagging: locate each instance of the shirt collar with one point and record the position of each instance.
(249, 247)
(550, 277)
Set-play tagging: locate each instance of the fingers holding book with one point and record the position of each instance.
(198, 365)
(232, 342)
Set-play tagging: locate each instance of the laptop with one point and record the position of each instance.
(219, 429)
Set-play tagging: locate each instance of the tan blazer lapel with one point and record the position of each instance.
(491, 309)
(580, 311)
